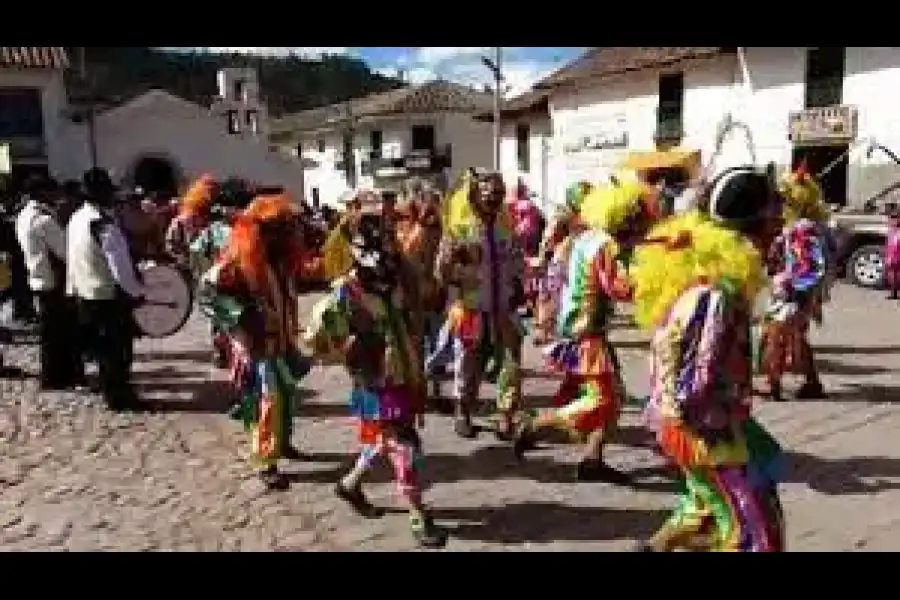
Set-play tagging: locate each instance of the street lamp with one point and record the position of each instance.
(495, 66)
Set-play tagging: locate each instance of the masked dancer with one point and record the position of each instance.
(799, 260)
(590, 397)
(365, 323)
(250, 294)
(477, 223)
(696, 278)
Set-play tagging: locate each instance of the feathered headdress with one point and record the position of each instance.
(608, 207)
(198, 197)
(802, 196)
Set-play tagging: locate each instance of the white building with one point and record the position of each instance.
(377, 141)
(779, 104)
(32, 102)
(156, 140)
(526, 141)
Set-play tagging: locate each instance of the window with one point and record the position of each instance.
(21, 113)
(671, 107)
(253, 121)
(423, 137)
(824, 76)
(240, 87)
(376, 140)
(320, 145)
(234, 122)
(315, 197)
(523, 140)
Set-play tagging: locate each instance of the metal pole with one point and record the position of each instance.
(498, 99)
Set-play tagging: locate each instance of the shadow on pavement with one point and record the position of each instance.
(844, 476)
(550, 522)
(487, 463)
(857, 350)
(834, 367)
(866, 392)
(205, 397)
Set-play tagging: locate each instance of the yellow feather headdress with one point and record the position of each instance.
(608, 206)
(459, 217)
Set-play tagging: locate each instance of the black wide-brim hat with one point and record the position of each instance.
(741, 196)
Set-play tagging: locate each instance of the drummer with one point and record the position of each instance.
(100, 275)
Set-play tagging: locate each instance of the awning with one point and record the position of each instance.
(670, 159)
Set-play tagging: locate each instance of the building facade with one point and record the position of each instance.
(33, 125)
(821, 106)
(380, 141)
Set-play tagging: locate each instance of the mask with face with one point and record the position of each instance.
(487, 193)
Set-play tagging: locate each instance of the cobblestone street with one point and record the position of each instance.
(73, 476)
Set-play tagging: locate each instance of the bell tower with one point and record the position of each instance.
(240, 103)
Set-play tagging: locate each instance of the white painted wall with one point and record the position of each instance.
(194, 139)
(471, 143)
(60, 134)
(760, 92)
(536, 177)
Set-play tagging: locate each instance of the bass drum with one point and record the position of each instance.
(168, 300)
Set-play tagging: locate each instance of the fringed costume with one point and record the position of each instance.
(695, 281)
(591, 394)
(487, 331)
(249, 293)
(799, 261)
(553, 256)
(365, 323)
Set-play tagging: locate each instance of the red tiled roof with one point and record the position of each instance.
(34, 57)
(604, 61)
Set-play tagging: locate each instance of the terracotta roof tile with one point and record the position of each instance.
(435, 96)
(600, 62)
(34, 57)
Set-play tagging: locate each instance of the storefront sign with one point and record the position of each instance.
(823, 126)
(593, 133)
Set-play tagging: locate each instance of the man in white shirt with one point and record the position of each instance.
(101, 276)
(43, 244)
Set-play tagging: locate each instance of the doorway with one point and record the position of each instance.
(817, 158)
(156, 175)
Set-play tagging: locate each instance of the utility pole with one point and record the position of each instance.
(495, 64)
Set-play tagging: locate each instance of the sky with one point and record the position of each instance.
(521, 66)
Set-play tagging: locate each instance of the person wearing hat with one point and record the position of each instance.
(366, 323)
(43, 243)
(696, 277)
(101, 277)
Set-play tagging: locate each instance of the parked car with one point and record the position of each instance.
(860, 239)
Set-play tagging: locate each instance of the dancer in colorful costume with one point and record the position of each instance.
(799, 258)
(192, 218)
(249, 293)
(554, 260)
(205, 250)
(365, 323)
(476, 224)
(695, 279)
(589, 400)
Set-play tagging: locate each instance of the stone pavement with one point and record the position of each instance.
(73, 476)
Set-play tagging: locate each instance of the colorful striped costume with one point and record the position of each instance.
(700, 412)
(591, 394)
(800, 260)
(383, 361)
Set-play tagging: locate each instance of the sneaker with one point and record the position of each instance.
(356, 498)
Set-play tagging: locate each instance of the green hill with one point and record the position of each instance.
(288, 84)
